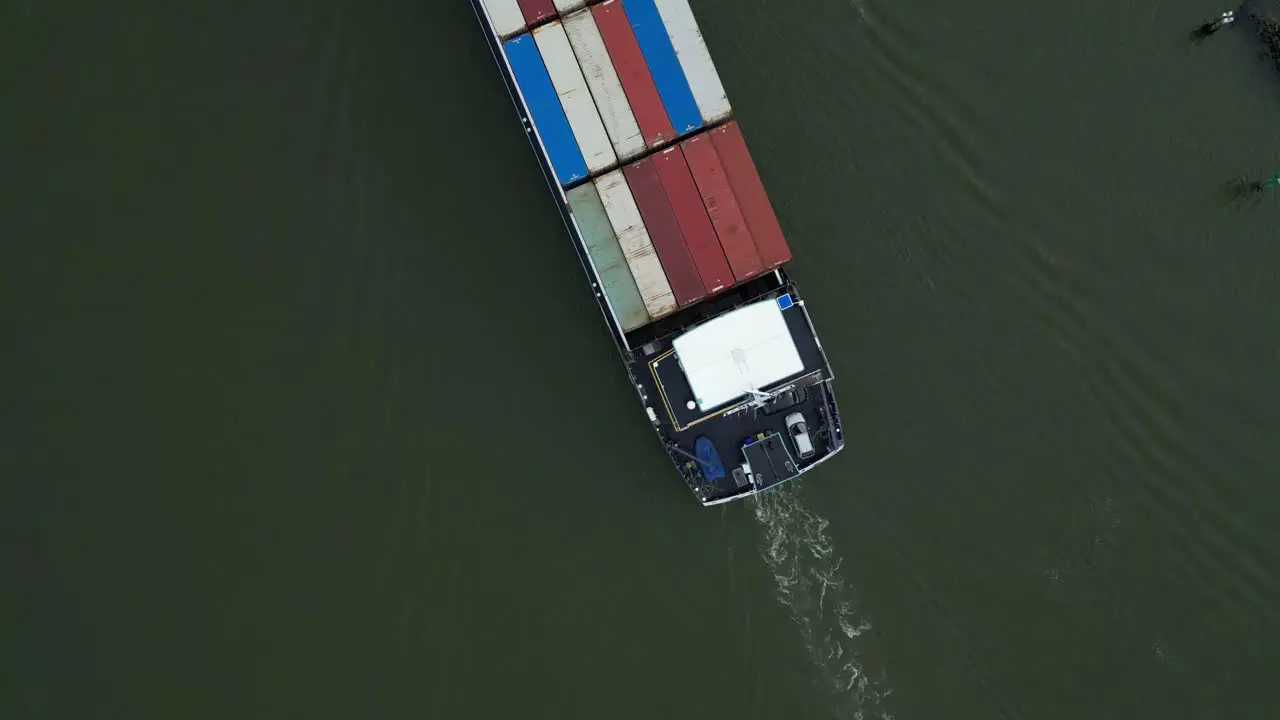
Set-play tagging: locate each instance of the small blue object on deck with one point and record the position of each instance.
(785, 301)
(709, 459)
(544, 108)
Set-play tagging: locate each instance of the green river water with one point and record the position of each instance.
(307, 410)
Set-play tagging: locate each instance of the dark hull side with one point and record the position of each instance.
(579, 246)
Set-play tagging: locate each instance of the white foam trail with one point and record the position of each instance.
(812, 588)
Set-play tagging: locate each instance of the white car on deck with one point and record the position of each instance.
(799, 432)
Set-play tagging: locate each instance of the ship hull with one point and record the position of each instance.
(758, 450)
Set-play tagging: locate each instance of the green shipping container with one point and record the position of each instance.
(619, 287)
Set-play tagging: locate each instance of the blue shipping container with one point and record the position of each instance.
(660, 55)
(544, 107)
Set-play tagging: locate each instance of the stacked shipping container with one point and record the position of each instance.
(606, 87)
(722, 207)
(575, 98)
(692, 217)
(633, 73)
(741, 173)
(606, 84)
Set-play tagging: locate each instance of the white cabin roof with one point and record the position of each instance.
(742, 350)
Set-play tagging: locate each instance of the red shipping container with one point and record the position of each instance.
(535, 11)
(633, 72)
(749, 191)
(695, 225)
(664, 232)
(722, 207)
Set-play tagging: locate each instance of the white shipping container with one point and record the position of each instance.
(506, 17)
(575, 98)
(695, 59)
(567, 6)
(633, 238)
(606, 89)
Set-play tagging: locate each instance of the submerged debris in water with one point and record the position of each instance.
(1216, 24)
(1266, 15)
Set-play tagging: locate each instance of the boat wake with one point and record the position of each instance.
(812, 588)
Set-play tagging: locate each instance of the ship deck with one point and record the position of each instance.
(677, 396)
(744, 430)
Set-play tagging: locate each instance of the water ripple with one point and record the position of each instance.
(812, 587)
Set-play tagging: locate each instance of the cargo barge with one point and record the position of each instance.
(636, 138)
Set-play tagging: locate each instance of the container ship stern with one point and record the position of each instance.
(686, 260)
(742, 397)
